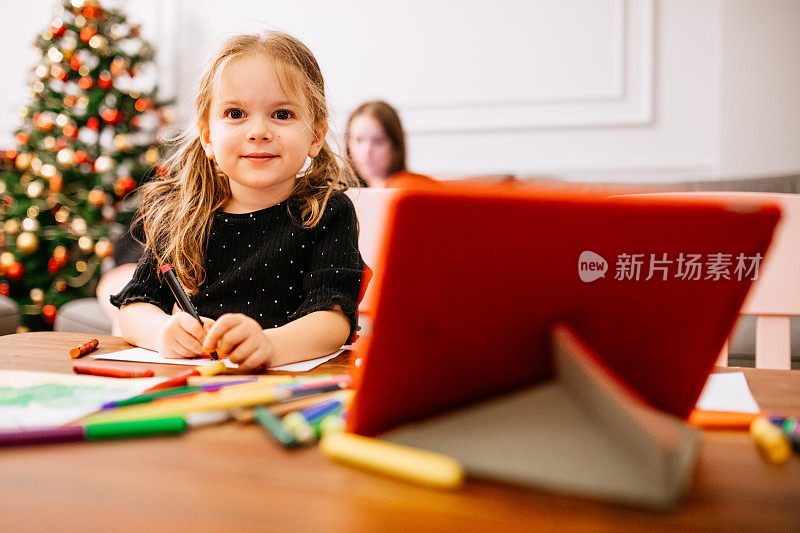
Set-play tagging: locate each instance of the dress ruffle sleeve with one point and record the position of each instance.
(336, 268)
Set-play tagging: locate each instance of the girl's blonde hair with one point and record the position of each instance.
(177, 208)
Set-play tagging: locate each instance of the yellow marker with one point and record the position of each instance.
(770, 441)
(217, 367)
(227, 398)
(383, 457)
(203, 380)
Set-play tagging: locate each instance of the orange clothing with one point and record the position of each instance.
(405, 178)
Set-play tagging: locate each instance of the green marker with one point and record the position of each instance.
(275, 427)
(135, 428)
(151, 396)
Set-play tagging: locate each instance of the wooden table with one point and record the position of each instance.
(233, 478)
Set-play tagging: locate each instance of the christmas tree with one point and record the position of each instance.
(87, 139)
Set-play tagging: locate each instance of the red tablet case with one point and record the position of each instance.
(470, 279)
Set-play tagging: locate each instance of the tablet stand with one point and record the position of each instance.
(582, 432)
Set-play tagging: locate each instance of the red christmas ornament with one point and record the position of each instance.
(59, 30)
(61, 285)
(11, 154)
(80, 155)
(60, 74)
(53, 265)
(92, 12)
(124, 185)
(97, 197)
(161, 170)
(112, 116)
(93, 123)
(85, 83)
(56, 183)
(143, 104)
(22, 138)
(70, 131)
(104, 81)
(5, 289)
(49, 313)
(74, 63)
(87, 33)
(15, 271)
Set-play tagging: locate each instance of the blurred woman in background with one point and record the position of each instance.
(376, 147)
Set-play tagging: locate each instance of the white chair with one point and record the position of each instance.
(371, 209)
(775, 295)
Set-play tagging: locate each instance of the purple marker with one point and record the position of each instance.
(42, 436)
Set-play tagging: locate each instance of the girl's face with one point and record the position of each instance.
(259, 137)
(370, 149)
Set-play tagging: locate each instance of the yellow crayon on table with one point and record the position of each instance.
(411, 464)
(217, 367)
(770, 441)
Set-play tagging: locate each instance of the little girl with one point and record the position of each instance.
(265, 244)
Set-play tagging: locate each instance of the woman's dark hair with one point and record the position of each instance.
(390, 122)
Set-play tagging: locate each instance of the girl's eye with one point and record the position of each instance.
(283, 114)
(234, 113)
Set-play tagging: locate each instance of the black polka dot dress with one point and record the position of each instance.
(266, 266)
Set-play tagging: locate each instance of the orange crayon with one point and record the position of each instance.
(84, 348)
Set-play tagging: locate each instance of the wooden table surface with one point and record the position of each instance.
(231, 477)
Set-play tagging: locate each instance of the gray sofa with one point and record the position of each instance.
(9, 315)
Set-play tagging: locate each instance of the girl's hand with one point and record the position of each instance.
(241, 339)
(182, 336)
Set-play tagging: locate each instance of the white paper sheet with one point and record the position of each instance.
(727, 392)
(39, 399)
(142, 355)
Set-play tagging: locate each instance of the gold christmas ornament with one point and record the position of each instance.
(122, 142)
(11, 226)
(80, 266)
(97, 197)
(35, 189)
(62, 215)
(66, 157)
(48, 143)
(151, 157)
(37, 296)
(33, 211)
(6, 259)
(27, 242)
(85, 244)
(23, 161)
(103, 248)
(30, 224)
(103, 164)
(48, 171)
(79, 226)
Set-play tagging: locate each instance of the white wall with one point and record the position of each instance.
(628, 90)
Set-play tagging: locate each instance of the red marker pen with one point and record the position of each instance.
(112, 371)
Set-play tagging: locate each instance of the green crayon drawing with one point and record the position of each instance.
(54, 395)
